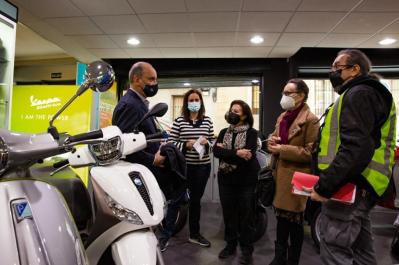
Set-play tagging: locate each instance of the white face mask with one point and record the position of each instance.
(287, 103)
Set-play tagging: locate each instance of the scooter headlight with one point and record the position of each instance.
(107, 152)
(122, 213)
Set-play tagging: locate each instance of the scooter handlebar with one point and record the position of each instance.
(85, 136)
(159, 135)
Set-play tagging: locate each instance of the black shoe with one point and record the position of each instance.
(200, 240)
(227, 252)
(246, 259)
(163, 244)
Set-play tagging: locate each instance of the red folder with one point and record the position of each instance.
(345, 194)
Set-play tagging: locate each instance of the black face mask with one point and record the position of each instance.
(150, 90)
(336, 79)
(232, 118)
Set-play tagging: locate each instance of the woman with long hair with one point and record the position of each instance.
(192, 132)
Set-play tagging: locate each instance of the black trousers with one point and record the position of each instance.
(238, 214)
(197, 176)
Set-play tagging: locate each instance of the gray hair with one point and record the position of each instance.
(136, 69)
(357, 57)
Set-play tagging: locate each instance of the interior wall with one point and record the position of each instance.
(41, 70)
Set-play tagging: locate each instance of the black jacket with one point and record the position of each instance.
(365, 108)
(127, 113)
(175, 160)
(247, 171)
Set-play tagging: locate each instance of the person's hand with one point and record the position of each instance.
(244, 154)
(220, 145)
(203, 140)
(272, 140)
(159, 159)
(314, 195)
(189, 144)
(274, 149)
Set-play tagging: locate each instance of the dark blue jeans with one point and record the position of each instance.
(171, 215)
(197, 176)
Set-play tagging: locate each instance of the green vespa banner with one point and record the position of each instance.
(34, 105)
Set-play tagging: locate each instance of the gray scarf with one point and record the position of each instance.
(239, 143)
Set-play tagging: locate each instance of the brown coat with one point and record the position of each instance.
(294, 156)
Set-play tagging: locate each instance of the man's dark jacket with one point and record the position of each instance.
(127, 113)
(365, 108)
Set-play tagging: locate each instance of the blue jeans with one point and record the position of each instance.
(171, 215)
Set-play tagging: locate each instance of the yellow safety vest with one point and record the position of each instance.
(379, 170)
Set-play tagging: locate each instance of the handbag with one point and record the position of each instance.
(265, 188)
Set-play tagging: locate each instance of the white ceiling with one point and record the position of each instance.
(93, 29)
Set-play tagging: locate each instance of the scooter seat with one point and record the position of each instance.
(73, 190)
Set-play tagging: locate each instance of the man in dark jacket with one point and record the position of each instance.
(129, 111)
(355, 145)
(133, 106)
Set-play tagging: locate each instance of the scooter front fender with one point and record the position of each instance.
(136, 248)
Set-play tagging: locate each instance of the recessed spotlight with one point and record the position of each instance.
(257, 39)
(133, 41)
(387, 41)
(186, 84)
(255, 81)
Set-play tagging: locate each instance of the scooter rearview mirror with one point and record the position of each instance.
(158, 110)
(99, 76)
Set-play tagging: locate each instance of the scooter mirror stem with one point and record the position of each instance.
(52, 129)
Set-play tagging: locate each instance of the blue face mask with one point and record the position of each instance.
(194, 106)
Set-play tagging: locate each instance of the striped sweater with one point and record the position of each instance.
(183, 130)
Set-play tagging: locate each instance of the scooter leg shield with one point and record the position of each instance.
(137, 248)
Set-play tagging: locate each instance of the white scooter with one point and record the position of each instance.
(36, 226)
(128, 201)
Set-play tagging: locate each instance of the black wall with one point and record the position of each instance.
(273, 73)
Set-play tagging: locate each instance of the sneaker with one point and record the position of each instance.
(200, 240)
(227, 252)
(163, 244)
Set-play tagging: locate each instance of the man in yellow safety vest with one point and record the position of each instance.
(356, 145)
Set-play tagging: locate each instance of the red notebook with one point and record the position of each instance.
(346, 194)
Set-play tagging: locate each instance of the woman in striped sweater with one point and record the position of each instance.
(192, 133)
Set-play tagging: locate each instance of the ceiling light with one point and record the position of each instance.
(255, 81)
(186, 84)
(387, 41)
(133, 41)
(257, 39)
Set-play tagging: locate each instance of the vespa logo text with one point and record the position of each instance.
(44, 103)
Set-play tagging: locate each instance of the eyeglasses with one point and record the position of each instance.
(341, 66)
(288, 93)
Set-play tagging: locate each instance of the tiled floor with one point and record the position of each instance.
(182, 252)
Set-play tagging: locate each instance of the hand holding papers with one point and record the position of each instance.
(346, 194)
(199, 147)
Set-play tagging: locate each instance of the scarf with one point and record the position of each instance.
(286, 123)
(239, 143)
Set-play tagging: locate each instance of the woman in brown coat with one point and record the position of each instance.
(291, 145)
